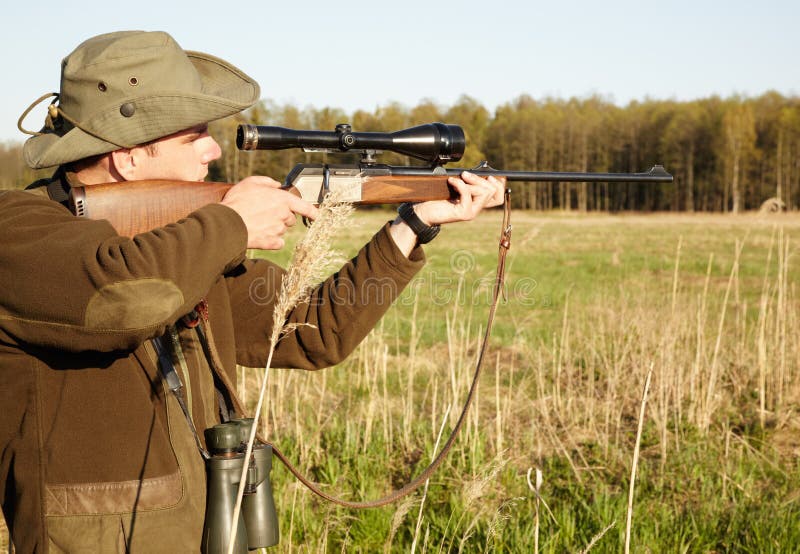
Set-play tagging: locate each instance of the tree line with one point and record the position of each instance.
(727, 154)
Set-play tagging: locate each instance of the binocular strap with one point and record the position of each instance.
(173, 380)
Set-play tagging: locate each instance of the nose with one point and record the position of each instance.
(211, 149)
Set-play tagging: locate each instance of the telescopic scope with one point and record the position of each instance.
(432, 142)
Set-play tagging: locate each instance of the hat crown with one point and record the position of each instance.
(117, 67)
(131, 87)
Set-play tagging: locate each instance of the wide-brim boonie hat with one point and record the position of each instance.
(122, 89)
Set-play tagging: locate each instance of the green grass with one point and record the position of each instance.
(592, 303)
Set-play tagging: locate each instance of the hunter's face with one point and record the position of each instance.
(183, 156)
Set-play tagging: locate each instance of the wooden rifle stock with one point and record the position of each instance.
(134, 207)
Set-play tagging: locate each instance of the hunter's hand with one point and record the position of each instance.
(475, 194)
(267, 211)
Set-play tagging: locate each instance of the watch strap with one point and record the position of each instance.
(425, 233)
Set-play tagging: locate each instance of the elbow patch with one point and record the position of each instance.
(133, 304)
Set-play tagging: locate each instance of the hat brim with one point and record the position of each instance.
(225, 91)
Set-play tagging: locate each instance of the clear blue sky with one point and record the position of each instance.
(364, 54)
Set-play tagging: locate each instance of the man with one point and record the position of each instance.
(97, 454)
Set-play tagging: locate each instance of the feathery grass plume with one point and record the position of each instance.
(397, 520)
(597, 537)
(501, 516)
(473, 490)
(476, 488)
(311, 260)
(470, 530)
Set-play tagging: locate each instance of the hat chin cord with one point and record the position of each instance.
(53, 113)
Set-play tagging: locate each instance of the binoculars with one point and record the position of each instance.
(258, 522)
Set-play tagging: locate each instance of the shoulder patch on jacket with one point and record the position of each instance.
(133, 304)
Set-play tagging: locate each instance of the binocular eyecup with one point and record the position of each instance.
(258, 523)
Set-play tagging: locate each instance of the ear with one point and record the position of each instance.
(124, 162)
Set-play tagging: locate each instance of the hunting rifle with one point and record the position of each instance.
(135, 207)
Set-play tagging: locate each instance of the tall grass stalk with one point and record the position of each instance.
(711, 390)
(427, 481)
(537, 501)
(311, 260)
(763, 366)
(635, 463)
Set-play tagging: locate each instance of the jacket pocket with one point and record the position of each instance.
(85, 534)
(108, 498)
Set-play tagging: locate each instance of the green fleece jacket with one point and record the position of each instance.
(95, 455)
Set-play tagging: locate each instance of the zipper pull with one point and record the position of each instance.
(202, 309)
(200, 312)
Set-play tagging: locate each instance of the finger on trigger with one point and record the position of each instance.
(458, 184)
(304, 208)
(465, 194)
(455, 180)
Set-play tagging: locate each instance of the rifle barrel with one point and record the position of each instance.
(657, 174)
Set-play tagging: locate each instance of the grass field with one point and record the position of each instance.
(707, 304)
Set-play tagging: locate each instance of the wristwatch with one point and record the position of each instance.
(425, 233)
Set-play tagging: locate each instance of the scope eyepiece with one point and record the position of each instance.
(432, 142)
